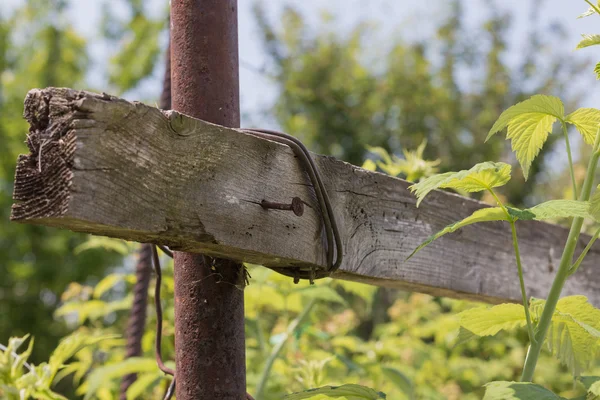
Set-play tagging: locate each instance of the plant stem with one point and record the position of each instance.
(279, 346)
(519, 266)
(522, 282)
(571, 169)
(563, 271)
(575, 266)
(593, 6)
(499, 203)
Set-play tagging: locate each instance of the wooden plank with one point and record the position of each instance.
(121, 169)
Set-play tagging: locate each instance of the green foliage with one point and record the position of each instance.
(350, 392)
(106, 375)
(518, 391)
(588, 40)
(592, 385)
(483, 321)
(529, 123)
(574, 334)
(553, 209)
(136, 38)
(413, 166)
(339, 90)
(412, 351)
(586, 121)
(484, 176)
(39, 47)
(21, 380)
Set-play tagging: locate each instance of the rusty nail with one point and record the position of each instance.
(297, 206)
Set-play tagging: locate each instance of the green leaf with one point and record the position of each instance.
(586, 120)
(597, 71)
(482, 176)
(463, 336)
(552, 209)
(369, 165)
(484, 321)
(590, 11)
(482, 215)
(101, 242)
(529, 123)
(588, 40)
(106, 284)
(574, 333)
(70, 346)
(399, 379)
(503, 390)
(103, 375)
(350, 392)
(594, 391)
(559, 209)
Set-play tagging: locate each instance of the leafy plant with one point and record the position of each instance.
(568, 327)
(22, 380)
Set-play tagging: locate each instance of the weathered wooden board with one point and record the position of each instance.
(106, 166)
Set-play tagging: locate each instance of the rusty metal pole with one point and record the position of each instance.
(209, 297)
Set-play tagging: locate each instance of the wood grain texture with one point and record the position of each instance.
(106, 166)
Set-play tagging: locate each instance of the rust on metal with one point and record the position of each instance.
(297, 206)
(209, 297)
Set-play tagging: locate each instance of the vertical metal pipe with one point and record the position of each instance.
(209, 297)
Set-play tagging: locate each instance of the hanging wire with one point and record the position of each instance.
(159, 316)
(157, 304)
(331, 229)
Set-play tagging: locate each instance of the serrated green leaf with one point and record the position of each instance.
(574, 333)
(484, 321)
(586, 120)
(482, 176)
(588, 40)
(503, 390)
(482, 215)
(350, 392)
(528, 133)
(399, 379)
(529, 123)
(538, 104)
(560, 209)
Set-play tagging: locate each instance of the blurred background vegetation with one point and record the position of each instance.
(339, 91)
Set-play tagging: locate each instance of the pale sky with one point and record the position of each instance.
(413, 19)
